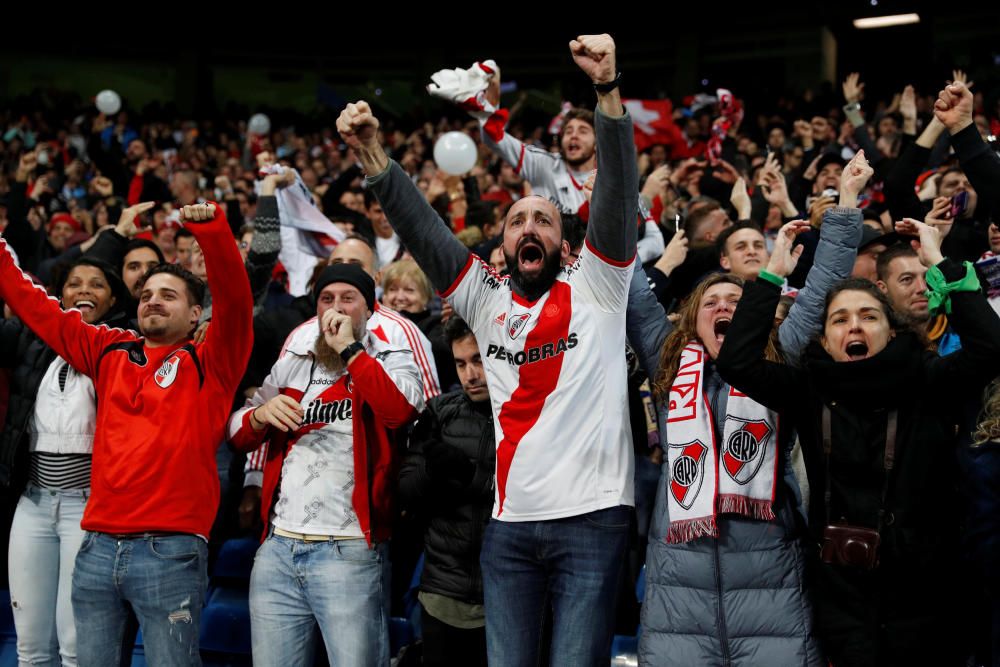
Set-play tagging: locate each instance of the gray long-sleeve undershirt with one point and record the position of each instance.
(612, 230)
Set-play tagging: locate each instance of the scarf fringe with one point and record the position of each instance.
(689, 529)
(755, 509)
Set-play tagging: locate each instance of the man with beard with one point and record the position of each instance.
(553, 343)
(327, 415)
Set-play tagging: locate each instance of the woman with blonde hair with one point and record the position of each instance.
(407, 290)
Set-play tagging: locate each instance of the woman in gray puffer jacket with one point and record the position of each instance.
(724, 567)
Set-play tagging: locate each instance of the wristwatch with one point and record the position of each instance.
(351, 350)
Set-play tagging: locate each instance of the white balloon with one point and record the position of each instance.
(455, 153)
(108, 102)
(259, 124)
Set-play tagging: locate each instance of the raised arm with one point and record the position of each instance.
(612, 231)
(953, 109)
(954, 289)
(266, 244)
(646, 323)
(437, 251)
(64, 331)
(839, 237)
(227, 344)
(741, 360)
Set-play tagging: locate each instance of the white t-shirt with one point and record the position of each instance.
(317, 477)
(557, 378)
(386, 249)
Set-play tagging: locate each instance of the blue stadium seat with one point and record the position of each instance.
(225, 622)
(624, 651)
(138, 651)
(6, 616)
(400, 634)
(236, 559)
(8, 651)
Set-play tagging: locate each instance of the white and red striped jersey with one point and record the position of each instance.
(557, 379)
(389, 327)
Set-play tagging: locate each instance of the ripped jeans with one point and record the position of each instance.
(44, 540)
(163, 578)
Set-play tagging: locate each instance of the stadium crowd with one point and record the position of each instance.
(749, 356)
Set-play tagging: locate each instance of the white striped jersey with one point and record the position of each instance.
(557, 378)
(392, 329)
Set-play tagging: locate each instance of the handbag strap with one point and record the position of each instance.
(888, 460)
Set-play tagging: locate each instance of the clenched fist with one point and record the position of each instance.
(357, 125)
(595, 55)
(338, 330)
(198, 212)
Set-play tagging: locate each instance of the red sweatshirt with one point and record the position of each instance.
(161, 411)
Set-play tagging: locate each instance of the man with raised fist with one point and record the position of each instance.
(162, 405)
(553, 341)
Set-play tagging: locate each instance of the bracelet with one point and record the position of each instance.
(253, 418)
(764, 274)
(610, 85)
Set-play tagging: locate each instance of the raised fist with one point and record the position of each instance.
(198, 212)
(954, 106)
(855, 175)
(357, 125)
(595, 55)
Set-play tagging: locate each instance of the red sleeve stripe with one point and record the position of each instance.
(520, 162)
(417, 347)
(607, 260)
(255, 461)
(413, 341)
(431, 388)
(461, 275)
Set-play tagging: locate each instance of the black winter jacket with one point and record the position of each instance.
(28, 358)
(456, 514)
(907, 610)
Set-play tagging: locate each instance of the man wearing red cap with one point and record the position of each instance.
(61, 227)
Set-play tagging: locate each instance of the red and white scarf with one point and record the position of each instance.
(697, 490)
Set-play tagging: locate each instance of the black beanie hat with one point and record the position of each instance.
(352, 274)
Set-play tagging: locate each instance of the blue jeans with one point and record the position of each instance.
(341, 585)
(44, 539)
(162, 578)
(572, 564)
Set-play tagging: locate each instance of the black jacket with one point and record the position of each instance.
(906, 611)
(455, 510)
(28, 358)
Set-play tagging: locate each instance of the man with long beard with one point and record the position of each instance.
(327, 414)
(553, 343)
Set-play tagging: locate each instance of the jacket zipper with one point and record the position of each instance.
(477, 534)
(722, 614)
(724, 640)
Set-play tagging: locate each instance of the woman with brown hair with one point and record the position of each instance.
(877, 415)
(724, 567)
